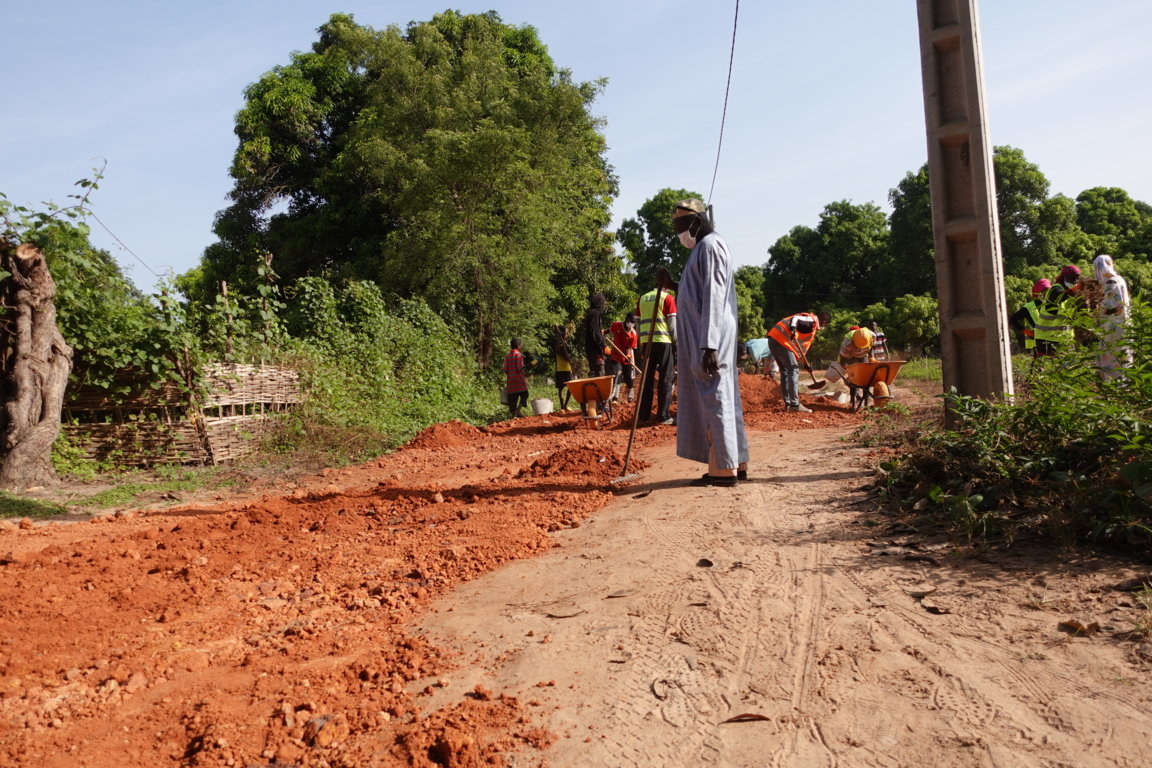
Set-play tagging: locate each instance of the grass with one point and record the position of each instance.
(1036, 600)
(922, 369)
(14, 506)
(127, 493)
(1143, 624)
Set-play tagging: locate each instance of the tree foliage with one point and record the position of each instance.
(649, 240)
(912, 267)
(749, 313)
(1115, 222)
(385, 369)
(853, 257)
(843, 260)
(452, 161)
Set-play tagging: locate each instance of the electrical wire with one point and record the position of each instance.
(121, 242)
(724, 114)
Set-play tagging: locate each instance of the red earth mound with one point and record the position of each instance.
(582, 461)
(275, 631)
(447, 435)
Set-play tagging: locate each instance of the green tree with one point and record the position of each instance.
(914, 324)
(649, 240)
(452, 161)
(843, 260)
(911, 267)
(1034, 229)
(1138, 274)
(1020, 189)
(854, 250)
(749, 302)
(1139, 245)
(1109, 216)
(787, 286)
(1059, 240)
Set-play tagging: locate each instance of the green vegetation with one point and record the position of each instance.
(922, 369)
(452, 161)
(407, 199)
(1071, 458)
(17, 506)
(1143, 624)
(885, 427)
(126, 493)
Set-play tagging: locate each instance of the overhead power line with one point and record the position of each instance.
(121, 242)
(724, 114)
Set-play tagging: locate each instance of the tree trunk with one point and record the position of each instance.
(34, 365)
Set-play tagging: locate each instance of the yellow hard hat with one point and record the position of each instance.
(862, 338)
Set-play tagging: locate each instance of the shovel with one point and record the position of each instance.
(804, 359)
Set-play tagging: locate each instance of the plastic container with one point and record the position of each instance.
(541, 406)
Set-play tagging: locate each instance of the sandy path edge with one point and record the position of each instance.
(677, 608)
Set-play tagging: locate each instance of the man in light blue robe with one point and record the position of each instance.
(709, 415)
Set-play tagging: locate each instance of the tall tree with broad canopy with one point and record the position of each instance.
(842, 260)
(1034, 228)
(912, 267)
(649, 240)
(452, 161)
(1110, 217)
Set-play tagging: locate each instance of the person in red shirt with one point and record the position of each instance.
(516, 385)
(622, 360)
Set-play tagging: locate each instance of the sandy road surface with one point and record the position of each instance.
(678, 608)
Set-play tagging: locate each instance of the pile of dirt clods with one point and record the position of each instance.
(274, 631)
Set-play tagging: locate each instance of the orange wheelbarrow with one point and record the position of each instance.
(595, 398)
(870, 381)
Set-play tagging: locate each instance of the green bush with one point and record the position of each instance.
(377, 374)
(1070, 457)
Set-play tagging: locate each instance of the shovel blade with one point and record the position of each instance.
(818, 385)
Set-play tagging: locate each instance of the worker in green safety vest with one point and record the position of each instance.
(1053, 326)
(657, 340)
(1025, 319)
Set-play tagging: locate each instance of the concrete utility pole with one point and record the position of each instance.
(969, 271)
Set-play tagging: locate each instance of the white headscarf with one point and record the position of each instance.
(1115, 287)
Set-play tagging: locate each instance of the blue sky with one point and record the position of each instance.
(825, 101)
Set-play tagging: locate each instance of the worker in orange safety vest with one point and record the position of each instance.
(789, 341)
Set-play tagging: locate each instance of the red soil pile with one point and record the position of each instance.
(764, 407)
(447, 435)
(275, 631)
(582, 461)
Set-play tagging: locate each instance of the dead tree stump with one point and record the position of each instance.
(34, 365)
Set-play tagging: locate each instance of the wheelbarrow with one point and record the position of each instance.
(595, 398)
(870, 381)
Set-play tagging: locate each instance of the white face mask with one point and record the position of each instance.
(686, 239)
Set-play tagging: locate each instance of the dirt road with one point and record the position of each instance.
(670, 614)
(487, 597)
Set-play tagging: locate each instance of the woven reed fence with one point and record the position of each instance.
(166, 426)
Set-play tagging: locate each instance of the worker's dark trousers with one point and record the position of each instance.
(789, 371)
(659, 366)
(516, 401)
